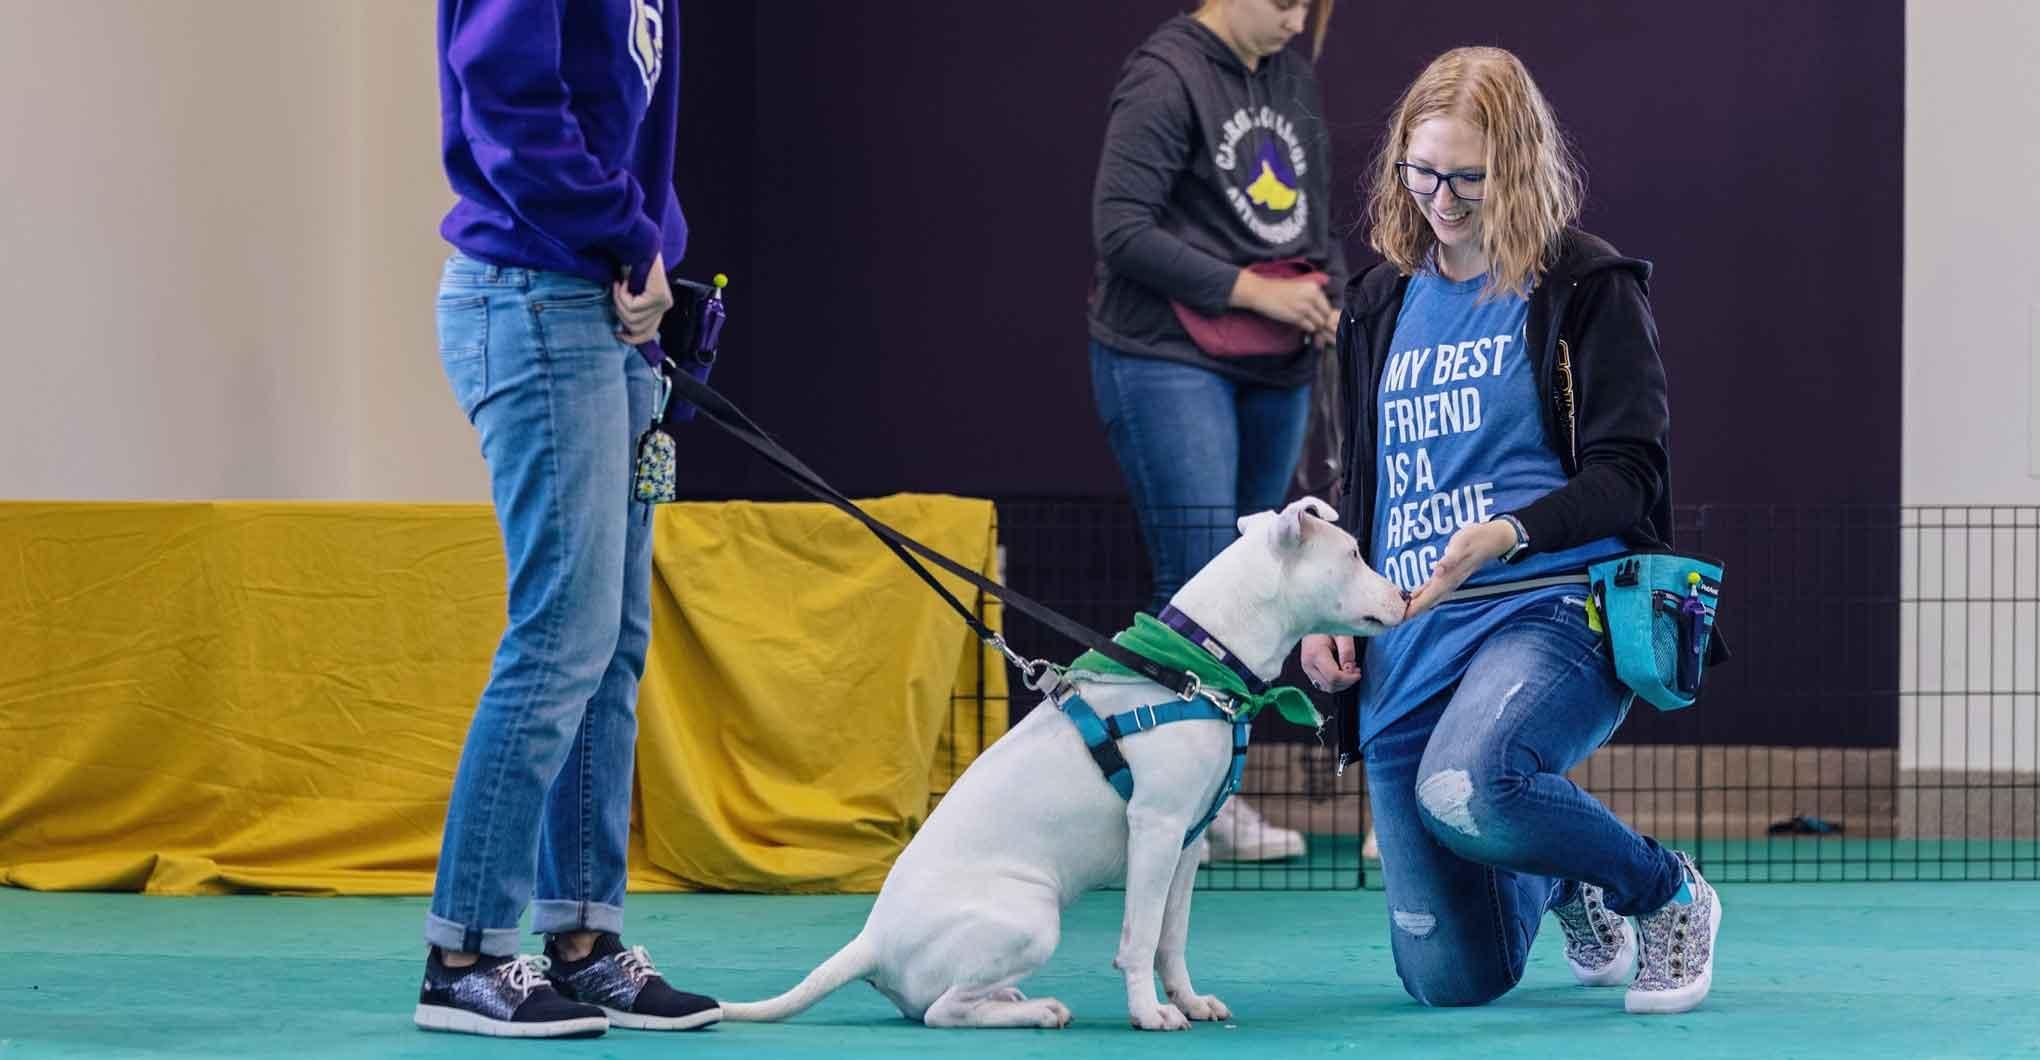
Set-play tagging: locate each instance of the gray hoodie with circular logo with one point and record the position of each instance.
(1207, 167)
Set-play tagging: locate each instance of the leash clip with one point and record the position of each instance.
(1038, 674)
(1216, 698)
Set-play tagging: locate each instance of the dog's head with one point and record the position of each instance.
(1319, 574)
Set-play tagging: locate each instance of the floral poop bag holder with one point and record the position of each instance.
(688, 339)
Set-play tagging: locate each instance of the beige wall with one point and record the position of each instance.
(1972, 384)
(217, 253)
(1972, 237)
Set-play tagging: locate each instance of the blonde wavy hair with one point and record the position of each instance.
(1534, 186)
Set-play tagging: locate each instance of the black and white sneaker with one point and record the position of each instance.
(628, 989)
(502, 997)
(1600, 946)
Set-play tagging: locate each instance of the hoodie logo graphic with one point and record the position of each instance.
(1270, 189)
(1266, 192)
(648, 40)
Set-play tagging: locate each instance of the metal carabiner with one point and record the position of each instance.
(1035, 673)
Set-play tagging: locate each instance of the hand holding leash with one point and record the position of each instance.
(638, 314)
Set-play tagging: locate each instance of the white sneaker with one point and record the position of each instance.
(1240, 833)
(1677, 951)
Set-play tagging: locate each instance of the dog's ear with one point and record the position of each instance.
(1315, 507)
(1288, 526)
(1289, 529)
(1291, 525)
(1294, 522)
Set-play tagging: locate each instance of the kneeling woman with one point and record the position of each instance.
(1512, 426)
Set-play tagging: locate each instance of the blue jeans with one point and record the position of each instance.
(1198, 450)
(1479, 829)
(541, 801)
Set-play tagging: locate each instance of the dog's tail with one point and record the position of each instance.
(854, 961)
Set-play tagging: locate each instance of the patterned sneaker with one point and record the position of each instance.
(1678, 949)
(502, 997)
(1600, 945)
(628, 989)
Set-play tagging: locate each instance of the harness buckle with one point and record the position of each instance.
(1153, 720)
(1196, 688)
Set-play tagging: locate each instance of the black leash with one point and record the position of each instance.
(718, 410)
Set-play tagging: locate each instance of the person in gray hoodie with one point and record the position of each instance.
(1209, 314)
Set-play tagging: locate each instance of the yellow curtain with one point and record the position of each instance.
(212, 697)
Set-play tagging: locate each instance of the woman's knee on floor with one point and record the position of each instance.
(1440, 974)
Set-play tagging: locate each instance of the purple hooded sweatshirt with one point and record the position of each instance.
(559, 119)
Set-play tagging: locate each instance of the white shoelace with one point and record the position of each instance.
(527, 973)
(638, 963)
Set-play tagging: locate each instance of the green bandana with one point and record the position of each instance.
(1152, 640)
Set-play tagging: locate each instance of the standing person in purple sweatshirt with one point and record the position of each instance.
(559, 122)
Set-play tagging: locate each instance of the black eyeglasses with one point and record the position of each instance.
(1424, 181)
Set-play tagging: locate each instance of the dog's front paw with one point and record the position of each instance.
(1161, 1018)
(1201, 1006)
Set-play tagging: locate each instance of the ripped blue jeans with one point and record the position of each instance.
(1480, 831)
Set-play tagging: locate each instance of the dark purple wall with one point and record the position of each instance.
(901, 195)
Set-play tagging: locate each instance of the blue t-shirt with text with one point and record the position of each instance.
(1461, 440)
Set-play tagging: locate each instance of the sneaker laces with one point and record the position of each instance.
(526, 973)
(637, 963)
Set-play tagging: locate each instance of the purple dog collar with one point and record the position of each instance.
(1196, 634)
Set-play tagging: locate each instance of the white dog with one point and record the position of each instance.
(974, 904)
